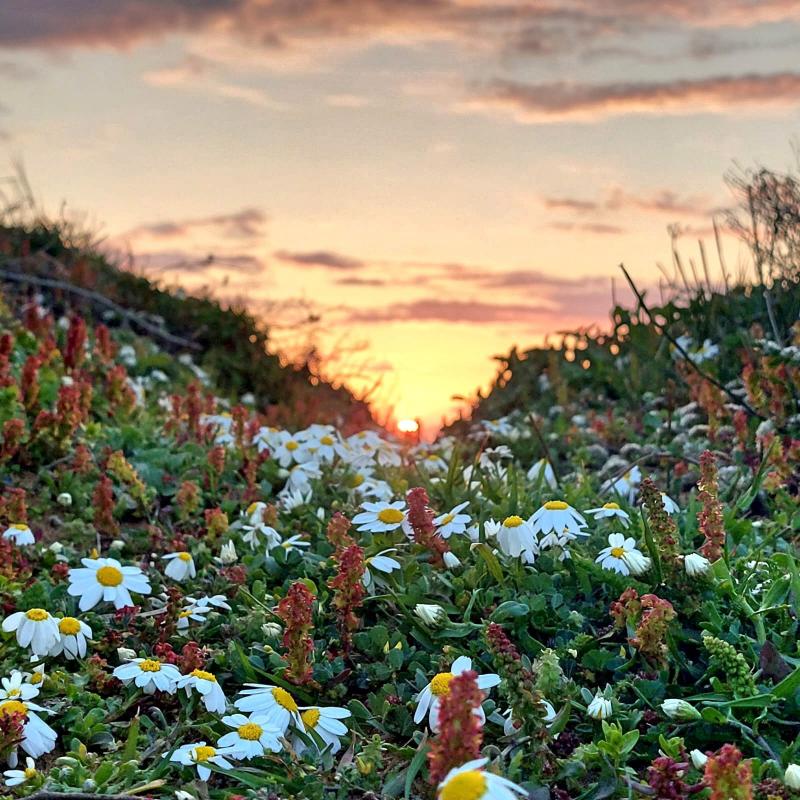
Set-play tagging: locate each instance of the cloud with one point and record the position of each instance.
(455, 311)
(661, 201)
(564, 102)
(186, 262)
(245, 224)
(15, 71)
(319, 258)
(601, 228)
(356, 281)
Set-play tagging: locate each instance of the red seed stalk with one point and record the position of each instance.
(296, 612)
(420, 516)
(728, 776)
(348, 591)
(710, 518)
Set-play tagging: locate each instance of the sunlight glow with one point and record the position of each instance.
(408, 425)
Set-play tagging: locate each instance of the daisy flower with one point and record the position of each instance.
(543, 469)
(107, 580)
(15, 687)
(599, 708)
(251, 737)
(622, 556)
(181, 566)
(515, 537)
(380, 562)
(289, 450)
(295, 542)
(205, 684)
(554, 519)
(326, 723)
(199, 755)
(272, 703)
(20, 534)
(325, 444)
(670, 506)
(695, 565)
(191, 613)
(38, 737)
(16, 777)
(74, 635)
(149, 675)
(292, 498)
(471, 782)
(35, 628)
(430, 698)
(453, 522)
(609, 511)
(382, 517)
(627, 485)
(216, 601)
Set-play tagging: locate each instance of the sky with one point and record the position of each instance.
(412, 186)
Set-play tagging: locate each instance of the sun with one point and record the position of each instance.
(408, 425)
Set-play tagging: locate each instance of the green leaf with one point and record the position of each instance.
(492, 564)
(416, 765)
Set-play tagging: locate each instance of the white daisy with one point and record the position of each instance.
(149, 675)
(324, 445)
(627, 485)
(181, 566)
(218, 601)
(554, 519)
(622, 556)
(16, 777)
(430, 698)
(695, 565)
(20, 534)
(199, 755)
(289, 450)
(608, 511)
(252, 736)
(543, 469)
(272, 703)
(515, 536)
(205, 684)
(382, 517)
(35, 628)
(471, 782)
(453, 522)
(15, 687)
(382, 563)
(295, 542)
(326, 723)
(599, 708)
(74, 635)
(191, 613)
(39, 737)
(670, 506)
(107, 580)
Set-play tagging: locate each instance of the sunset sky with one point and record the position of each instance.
(437, 179)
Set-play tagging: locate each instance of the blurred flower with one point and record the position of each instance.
(555, 518)
(227, 553)
(791, 777)
(20, 534)
(699, 759)
(380, 562)
(181, 566)
(600, 707)
(35, 628)
(199, 754)
(543, 468)
(608, 511)
(471, 782)
(695, 565)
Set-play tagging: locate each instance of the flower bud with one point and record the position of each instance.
(126, 654)
(272, 630)
(792, 776)
(227, 553)
(698, 759)
(695, 565)
(64, 499)
(600, 707)
(680, 710)
(431, 614)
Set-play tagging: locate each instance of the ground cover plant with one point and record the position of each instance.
(591, 595)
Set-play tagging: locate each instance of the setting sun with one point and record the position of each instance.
(408, 426)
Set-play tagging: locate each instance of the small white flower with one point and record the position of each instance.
(543, 468)
(205, 684)
(431, 614)
(252, 736)
(180, 567)
(273, 703)
(608, 511)
(107, 580)
(149, 675)
(553, 520)
(64, 499)
(35, 628)
(295, 542)
(792, 776)
(74, 635)
(227, 553)
(600, 707)
(695, 565)
(698, 759)
(515, 537)
(670, 506)
(20, 534)
(199, 754)
(15, 687)
(39, 737)
(430, 698)
(194, 612)
(622, 556)
(383, 517)
(382, 563)
(471, 782)
(680, 710)
(453, 522)
(218, 601)
(326, 723)
(16, 777)
(451, 560)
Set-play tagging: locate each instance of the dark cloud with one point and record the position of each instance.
(319, 258)
(356, 281)
(455, 311)
(661, 201)
(186, 262)
(245, 224)
(562, 101)
(602, 228)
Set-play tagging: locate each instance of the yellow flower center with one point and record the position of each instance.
(283, 698)
(391, 516)
(204, 752)
(326, 440)
(69, 626)
(251, 508)
(36, 678)
(356, 481)
(14, 692)
(310, 717)
(205, 676)
(20, 526)
(30, 772)
(513, 521)
(617, 552)
(614, 506)
(448, 518)
(109, 576)
(185, 556)
(37, 614)
(555, 505)
(12, 707)
(291, 446)
(250, 731)
(470, 785)
(185, 614)
(150, 665)
(441, 683)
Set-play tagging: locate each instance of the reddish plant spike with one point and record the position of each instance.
(460, 730)
(420, 517)
(728, 776)
(348, 591)
(710, 516)
(296, 612)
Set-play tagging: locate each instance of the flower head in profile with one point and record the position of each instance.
(696, 565)
(383, 517)
(149, 674)
(515, 537)
(610, 511)
(74, 635)
(200, 755)
(471, 782)
(180, 567)
(205, 684)
(453, 521)
(34, 628)
(543, 470)
(600, 707)
(105, 579)
(16, 777)
(20, 534)
(273, 703)
(325, 723)
(380, 562)
(430, 698)
(38, 737)
(556, 523)
(622, 556)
